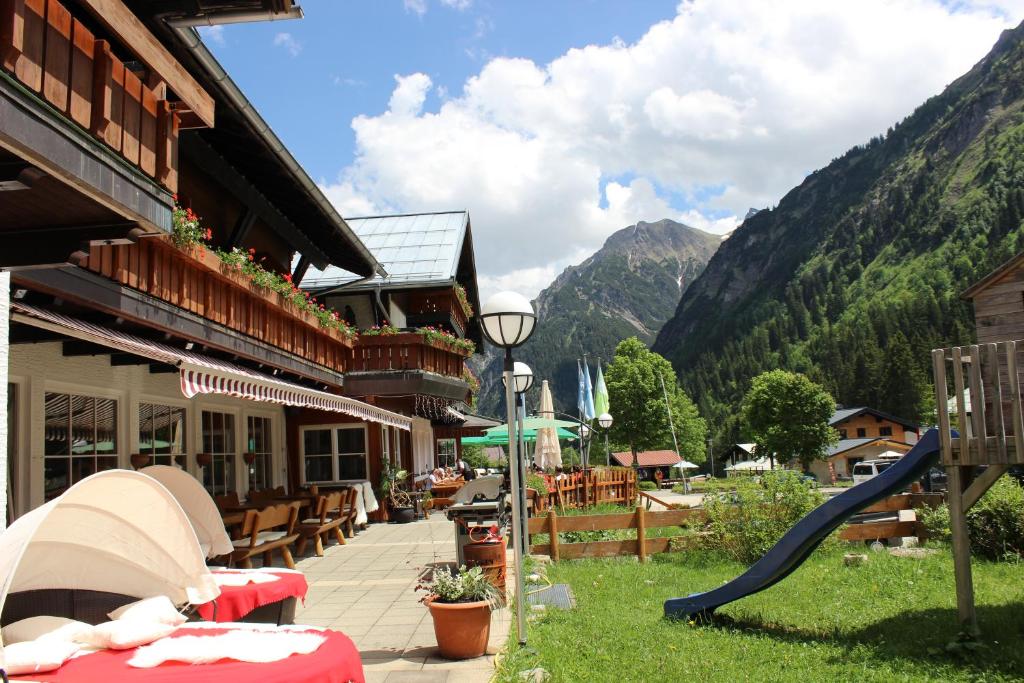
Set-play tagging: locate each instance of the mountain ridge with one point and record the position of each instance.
(627, 287)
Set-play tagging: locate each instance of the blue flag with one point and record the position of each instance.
(581, 402)
(588, 393)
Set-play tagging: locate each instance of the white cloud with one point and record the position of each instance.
(212, 34)
(458, 4)
(409, 95)
(416, 6)
(289, 43)
(724, 107)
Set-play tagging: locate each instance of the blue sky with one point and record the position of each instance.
(341, 59)
(557, 123)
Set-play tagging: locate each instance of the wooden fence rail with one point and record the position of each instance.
(642, 520)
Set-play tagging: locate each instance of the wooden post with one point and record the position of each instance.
(553, 533)
(641, 534)
(961, 550)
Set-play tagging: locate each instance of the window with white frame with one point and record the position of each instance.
(80, 439)
(162, 434)
(446, 453)
(218, 451)
(334, 452)
(260, 450)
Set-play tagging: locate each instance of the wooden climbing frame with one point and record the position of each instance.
(981, 423)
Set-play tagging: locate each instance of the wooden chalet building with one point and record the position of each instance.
(126, 348)
(417, 329)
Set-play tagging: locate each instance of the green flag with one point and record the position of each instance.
(601, 394)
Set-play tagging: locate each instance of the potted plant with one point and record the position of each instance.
(460, 604)
(400, 505)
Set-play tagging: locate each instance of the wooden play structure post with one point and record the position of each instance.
(989, 431)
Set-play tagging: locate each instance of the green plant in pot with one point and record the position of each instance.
(399, 502)
(460, 604)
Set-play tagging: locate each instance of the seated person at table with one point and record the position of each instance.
(449, 474)
(435, 478)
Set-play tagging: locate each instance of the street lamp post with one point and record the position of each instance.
(508, 320)
(604, 420)
(523, 379)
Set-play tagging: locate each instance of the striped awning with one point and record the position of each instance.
(204, 375)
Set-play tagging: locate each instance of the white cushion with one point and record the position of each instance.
(59, 628)
(125, 634)
(37, 656)
(159, 609)
(316, 520)
(261, 538)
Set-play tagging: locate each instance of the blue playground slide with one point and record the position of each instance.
(800, 541)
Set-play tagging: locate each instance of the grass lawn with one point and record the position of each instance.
(887, 620)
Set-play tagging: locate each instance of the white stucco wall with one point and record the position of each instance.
(38, 368)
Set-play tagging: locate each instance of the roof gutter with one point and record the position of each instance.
(233, 17)
(189, 37)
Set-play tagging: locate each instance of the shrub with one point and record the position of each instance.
(536, 482)
(648, 486)
(935, 522)
(995, 523)
(746, 522)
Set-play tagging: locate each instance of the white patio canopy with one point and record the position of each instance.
(204, 375)
(197, 505)
(116, 531)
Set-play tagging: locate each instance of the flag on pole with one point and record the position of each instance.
(588, 393)
(581, 402)
(601, 405)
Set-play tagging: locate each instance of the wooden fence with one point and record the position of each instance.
(642, 519)
(55, 55)
(407, 351)
(583, 489)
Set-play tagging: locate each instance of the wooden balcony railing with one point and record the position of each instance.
(53, 54)
(407, 351)
(437, 306)
(198, 282)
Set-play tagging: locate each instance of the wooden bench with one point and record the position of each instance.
(264, 497)
(267, 530)
(349, 510)
(328, 520)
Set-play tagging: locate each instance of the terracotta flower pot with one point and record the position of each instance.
(203, 459)
(461, 628)
(139, 460)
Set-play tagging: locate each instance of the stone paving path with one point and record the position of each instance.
(365, 589)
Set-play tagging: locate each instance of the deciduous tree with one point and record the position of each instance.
(787, 416)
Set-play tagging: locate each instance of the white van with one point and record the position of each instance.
(869, 469)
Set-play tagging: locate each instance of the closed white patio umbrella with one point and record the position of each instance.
(547, 452)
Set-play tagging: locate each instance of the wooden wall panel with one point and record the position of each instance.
(57, 72)
(83, 49)
(28, 66)
(132, 117)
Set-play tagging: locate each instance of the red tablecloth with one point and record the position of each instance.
(335, 661)
(235, 602)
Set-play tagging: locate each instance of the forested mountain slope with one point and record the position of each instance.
(856, 274)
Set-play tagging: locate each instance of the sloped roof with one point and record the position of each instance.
(852, 444)
(846, 413)
(993, 277)
(647, 458)
(422, 249)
